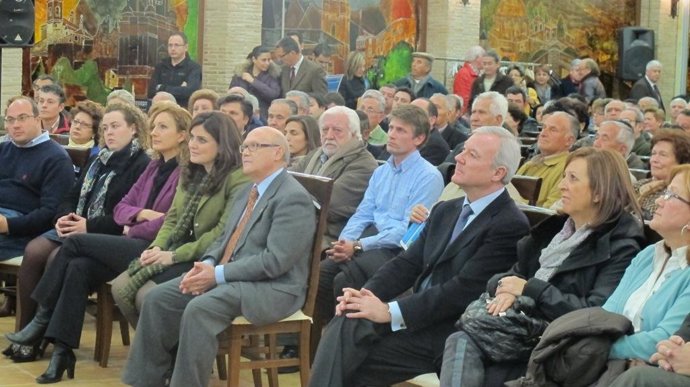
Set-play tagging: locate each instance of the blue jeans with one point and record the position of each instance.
(11, 246)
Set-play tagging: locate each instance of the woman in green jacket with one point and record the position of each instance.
(208, 185)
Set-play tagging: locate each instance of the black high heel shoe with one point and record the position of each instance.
(11, 350)
(33, 332)
(63, 359)
(29, 353)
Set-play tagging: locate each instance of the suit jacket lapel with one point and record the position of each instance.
(301, 72)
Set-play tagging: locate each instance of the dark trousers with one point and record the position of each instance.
(354, 273)
(84, 262)
(357, 352)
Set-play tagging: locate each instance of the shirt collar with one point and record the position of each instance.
(649, 80)
(299, 63)
(480, 204)
(41, 138)
(407, 163)
(678, 256)
(263, 185)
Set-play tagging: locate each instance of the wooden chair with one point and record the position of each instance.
(79, 156)
(266, 356)
(536, 214)
(524, 150)
(106, 313)
(528, 187)
(640, 173)
(62, 139)
(11, 267)
(527, 140)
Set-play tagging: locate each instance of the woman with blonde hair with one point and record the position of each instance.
(202, 100)
(354, 83)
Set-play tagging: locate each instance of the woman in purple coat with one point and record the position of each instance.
(88, 260)
(259, 76)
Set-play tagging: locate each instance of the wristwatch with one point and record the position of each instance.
(357, 248)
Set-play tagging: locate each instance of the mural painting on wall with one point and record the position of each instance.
(93, 46)
(384, 30)
(556, 32)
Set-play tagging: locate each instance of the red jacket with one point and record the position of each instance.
(462, 85)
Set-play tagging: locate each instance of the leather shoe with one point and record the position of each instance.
(8, 307)
(28, 353)
(289, 352)
(11, 350)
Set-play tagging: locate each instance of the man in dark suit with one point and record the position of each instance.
(256, 269)
(376, 341)
(299, 73)
(647, 85)
(446, 106)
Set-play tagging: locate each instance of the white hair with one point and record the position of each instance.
(625, 135)
(352, 119)
(474, 52)
(508, 154)
(375, 94)
(498, 105)
(653, 64)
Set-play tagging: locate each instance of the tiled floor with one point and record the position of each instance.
(87, 372)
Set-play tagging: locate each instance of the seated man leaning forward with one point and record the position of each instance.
(256, 269)
(372, 235)
(374, 340)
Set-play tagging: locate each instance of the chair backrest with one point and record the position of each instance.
(62, 139)
(79, 156)
(447, 170)
(536, 214)
(528, 187)
(527, 140)
(320, 189)
(640, 173)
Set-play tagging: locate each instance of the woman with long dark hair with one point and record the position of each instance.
(208, 184)
(259, 76)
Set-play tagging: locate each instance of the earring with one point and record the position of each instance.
(683, 230)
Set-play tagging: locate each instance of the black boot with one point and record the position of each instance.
(11, 350)
(28, 353)
(33, 332)
(63, 359)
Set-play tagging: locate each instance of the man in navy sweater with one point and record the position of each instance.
(35, 174)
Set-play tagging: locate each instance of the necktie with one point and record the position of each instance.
(292, 74)
(658, 94)
(253, 196)
(462, 221)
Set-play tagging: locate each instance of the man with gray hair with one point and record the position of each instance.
(301, 99)
(462, 85)
(618, 137)
(382, 333)
(445, 105)
(280, 110)
(419, 79)
(488, 109)
(343, 158)
(647, 86)
(373, 103)
(635, 118)
(558, 135)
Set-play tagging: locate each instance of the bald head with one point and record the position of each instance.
(264, 151)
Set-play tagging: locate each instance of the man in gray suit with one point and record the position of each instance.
(258, 269)
(299, 73)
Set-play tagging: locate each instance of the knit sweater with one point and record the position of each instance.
(33, 181)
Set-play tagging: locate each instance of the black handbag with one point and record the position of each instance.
(509, 337)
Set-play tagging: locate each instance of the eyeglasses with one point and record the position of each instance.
(22, 118)
(81, 124)
(254, 147)
(667, 195)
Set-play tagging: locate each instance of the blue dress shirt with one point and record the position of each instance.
(388, 201)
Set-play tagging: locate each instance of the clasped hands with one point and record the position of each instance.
(340, 251)
(673, 355)
(200, 278)
(70, 224)
(507, 291)
(362, 304)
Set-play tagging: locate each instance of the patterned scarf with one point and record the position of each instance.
(100, 170)
(560, 247)
(180, 235)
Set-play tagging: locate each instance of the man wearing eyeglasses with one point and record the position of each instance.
(36, 173)
(178, 74)
(257, 269)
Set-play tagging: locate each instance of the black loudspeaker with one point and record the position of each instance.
(16, 23)
(635, 49)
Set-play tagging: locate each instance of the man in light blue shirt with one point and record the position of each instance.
(372, 235)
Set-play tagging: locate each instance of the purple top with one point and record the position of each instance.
(126, 210)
